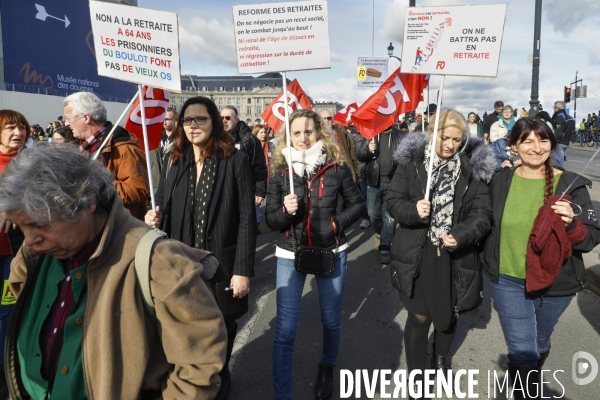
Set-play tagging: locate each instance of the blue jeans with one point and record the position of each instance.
(289, 293)
(558, 155)
(383, 223)
(257, 213)
(527, 321)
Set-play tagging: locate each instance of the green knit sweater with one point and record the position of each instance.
(525, 197)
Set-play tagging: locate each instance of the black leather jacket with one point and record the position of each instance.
(371, 158)
(317, 202)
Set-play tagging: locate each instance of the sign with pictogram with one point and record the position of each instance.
(453, 40)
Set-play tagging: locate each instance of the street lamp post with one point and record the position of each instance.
(390, 50)
(534, 103)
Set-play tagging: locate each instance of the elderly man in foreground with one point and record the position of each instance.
(79, 329)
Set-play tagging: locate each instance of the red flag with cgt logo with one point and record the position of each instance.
(343, 117)
(400, 93)
(274, 114)
(156, 103)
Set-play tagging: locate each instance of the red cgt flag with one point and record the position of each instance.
(274, 114)
(343, 117)
(156, 103)
(400, 93)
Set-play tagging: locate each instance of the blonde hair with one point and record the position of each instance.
(324, 134)
(257, 129)
(448, 118)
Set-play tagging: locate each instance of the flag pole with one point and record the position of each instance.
(105, 142)
(423, 112)
(146, 146)
(287, 131)
(434, 139)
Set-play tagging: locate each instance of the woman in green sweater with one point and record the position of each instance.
(513, 265)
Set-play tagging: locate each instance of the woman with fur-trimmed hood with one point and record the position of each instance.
(435, 264)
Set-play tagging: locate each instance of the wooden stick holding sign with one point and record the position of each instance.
(434, 139)
(287, 131)
(146, 146)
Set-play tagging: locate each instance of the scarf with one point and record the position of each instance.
(508, 125)
(199, 198)
(443, 181)
(185, 198)
(92, 143)
(307, 163)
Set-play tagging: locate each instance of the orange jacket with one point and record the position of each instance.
(124, 158)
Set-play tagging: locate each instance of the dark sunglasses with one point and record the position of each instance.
(328, 118)
(226, 117)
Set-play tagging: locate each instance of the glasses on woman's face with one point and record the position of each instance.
(199, 120)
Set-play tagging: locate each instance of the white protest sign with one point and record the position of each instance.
(137, 45)
(372, 71)
(278, 37)
(453, 40)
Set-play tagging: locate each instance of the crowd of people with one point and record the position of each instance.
(73, 227)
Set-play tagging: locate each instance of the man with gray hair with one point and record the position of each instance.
(86, 115)
(81, 328)
(564, 126)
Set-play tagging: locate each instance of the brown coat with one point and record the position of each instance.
(125, 351)
(126, 160)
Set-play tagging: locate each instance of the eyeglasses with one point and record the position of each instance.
(169, 119)
(70, 118)
(328, 118)
(199, 120)
(226, 117)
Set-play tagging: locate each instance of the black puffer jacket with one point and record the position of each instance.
(371, 159)
(320, 197)
(249, 144)
(571, 278)
(471, 223)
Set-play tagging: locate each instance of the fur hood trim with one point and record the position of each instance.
(481, 156)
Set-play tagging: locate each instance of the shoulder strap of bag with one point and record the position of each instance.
(143, 253)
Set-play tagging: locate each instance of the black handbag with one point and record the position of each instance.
(314, 260)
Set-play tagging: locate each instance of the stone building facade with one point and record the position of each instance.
(249, 95)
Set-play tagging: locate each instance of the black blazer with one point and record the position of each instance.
(231, 227)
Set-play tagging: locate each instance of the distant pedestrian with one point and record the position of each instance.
(564, 126)
(475, 129)
(491, 119)
(64, 134)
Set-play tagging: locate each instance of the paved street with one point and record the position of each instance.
(374, 319)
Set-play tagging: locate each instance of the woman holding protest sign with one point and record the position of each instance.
(312, 240)
(534, 254)
(435, 263)
(205, 199)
